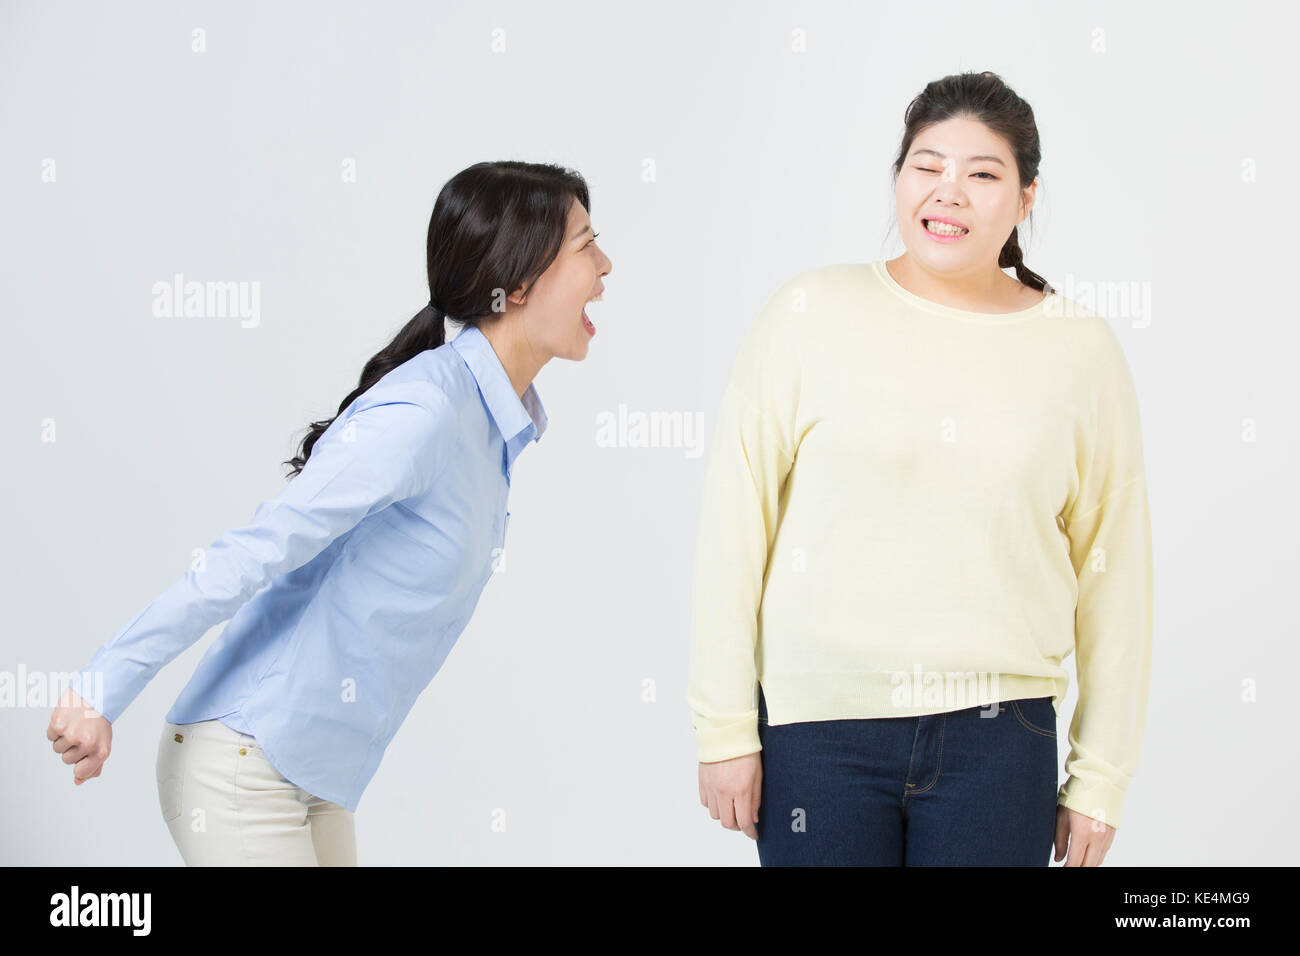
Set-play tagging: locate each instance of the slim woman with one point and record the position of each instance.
(349, 589)
(926, 489)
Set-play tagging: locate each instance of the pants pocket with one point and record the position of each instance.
(170, 777)
(170, 789)
(1035, 715)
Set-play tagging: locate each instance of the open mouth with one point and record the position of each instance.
(586, 320)
(943, 230)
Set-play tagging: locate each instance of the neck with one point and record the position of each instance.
(971, 289)
(517, 356)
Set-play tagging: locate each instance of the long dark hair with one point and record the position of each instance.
(986, 98)
(495, 228)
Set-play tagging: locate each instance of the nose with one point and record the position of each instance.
(949, 191)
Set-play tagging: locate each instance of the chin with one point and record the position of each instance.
(575, 353)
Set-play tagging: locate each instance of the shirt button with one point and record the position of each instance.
(243, 751)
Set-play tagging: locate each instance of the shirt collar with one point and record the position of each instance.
(518, 420)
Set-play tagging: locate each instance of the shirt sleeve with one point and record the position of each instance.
(752, 453)
(388, 446)
(1109, 530)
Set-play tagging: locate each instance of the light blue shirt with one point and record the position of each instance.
(350, 587)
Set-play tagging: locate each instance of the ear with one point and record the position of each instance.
(1027, 200)
(518, 297)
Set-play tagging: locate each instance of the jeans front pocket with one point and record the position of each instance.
(1036, 715)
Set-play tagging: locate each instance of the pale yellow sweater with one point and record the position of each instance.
(910, 509)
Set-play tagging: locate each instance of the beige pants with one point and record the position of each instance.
(226, 805)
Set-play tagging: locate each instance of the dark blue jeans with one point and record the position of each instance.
(952, 789)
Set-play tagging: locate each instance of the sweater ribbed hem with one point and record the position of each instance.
(793, 697)
(797, 697)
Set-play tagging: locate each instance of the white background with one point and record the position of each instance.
(225, 165)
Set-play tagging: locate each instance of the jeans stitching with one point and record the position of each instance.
(911, 760)
(1042, 731)
(943, 723)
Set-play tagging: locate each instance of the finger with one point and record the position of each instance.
(745, 815)
(1078, 840)
(74, 754)
(728, 808)
(83, 751)
(1062, 838)
(86, 768)
(80, 780)
(713, 804)
(1081, 839)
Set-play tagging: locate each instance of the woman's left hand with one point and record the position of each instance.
(1088, 839)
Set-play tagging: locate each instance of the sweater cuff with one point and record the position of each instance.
(1095, 797)
(726, 739)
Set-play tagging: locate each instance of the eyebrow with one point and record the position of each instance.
(973, 159)
(578, 234)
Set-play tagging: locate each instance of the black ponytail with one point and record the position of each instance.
(495, 226)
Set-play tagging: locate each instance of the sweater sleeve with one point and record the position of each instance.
(386, 450)
(1108, 525)
(752, 453)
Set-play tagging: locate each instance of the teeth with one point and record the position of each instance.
(943, 229)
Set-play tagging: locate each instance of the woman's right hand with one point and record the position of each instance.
(732, 790)
(81, 734)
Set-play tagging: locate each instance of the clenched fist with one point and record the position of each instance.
(81, 734)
